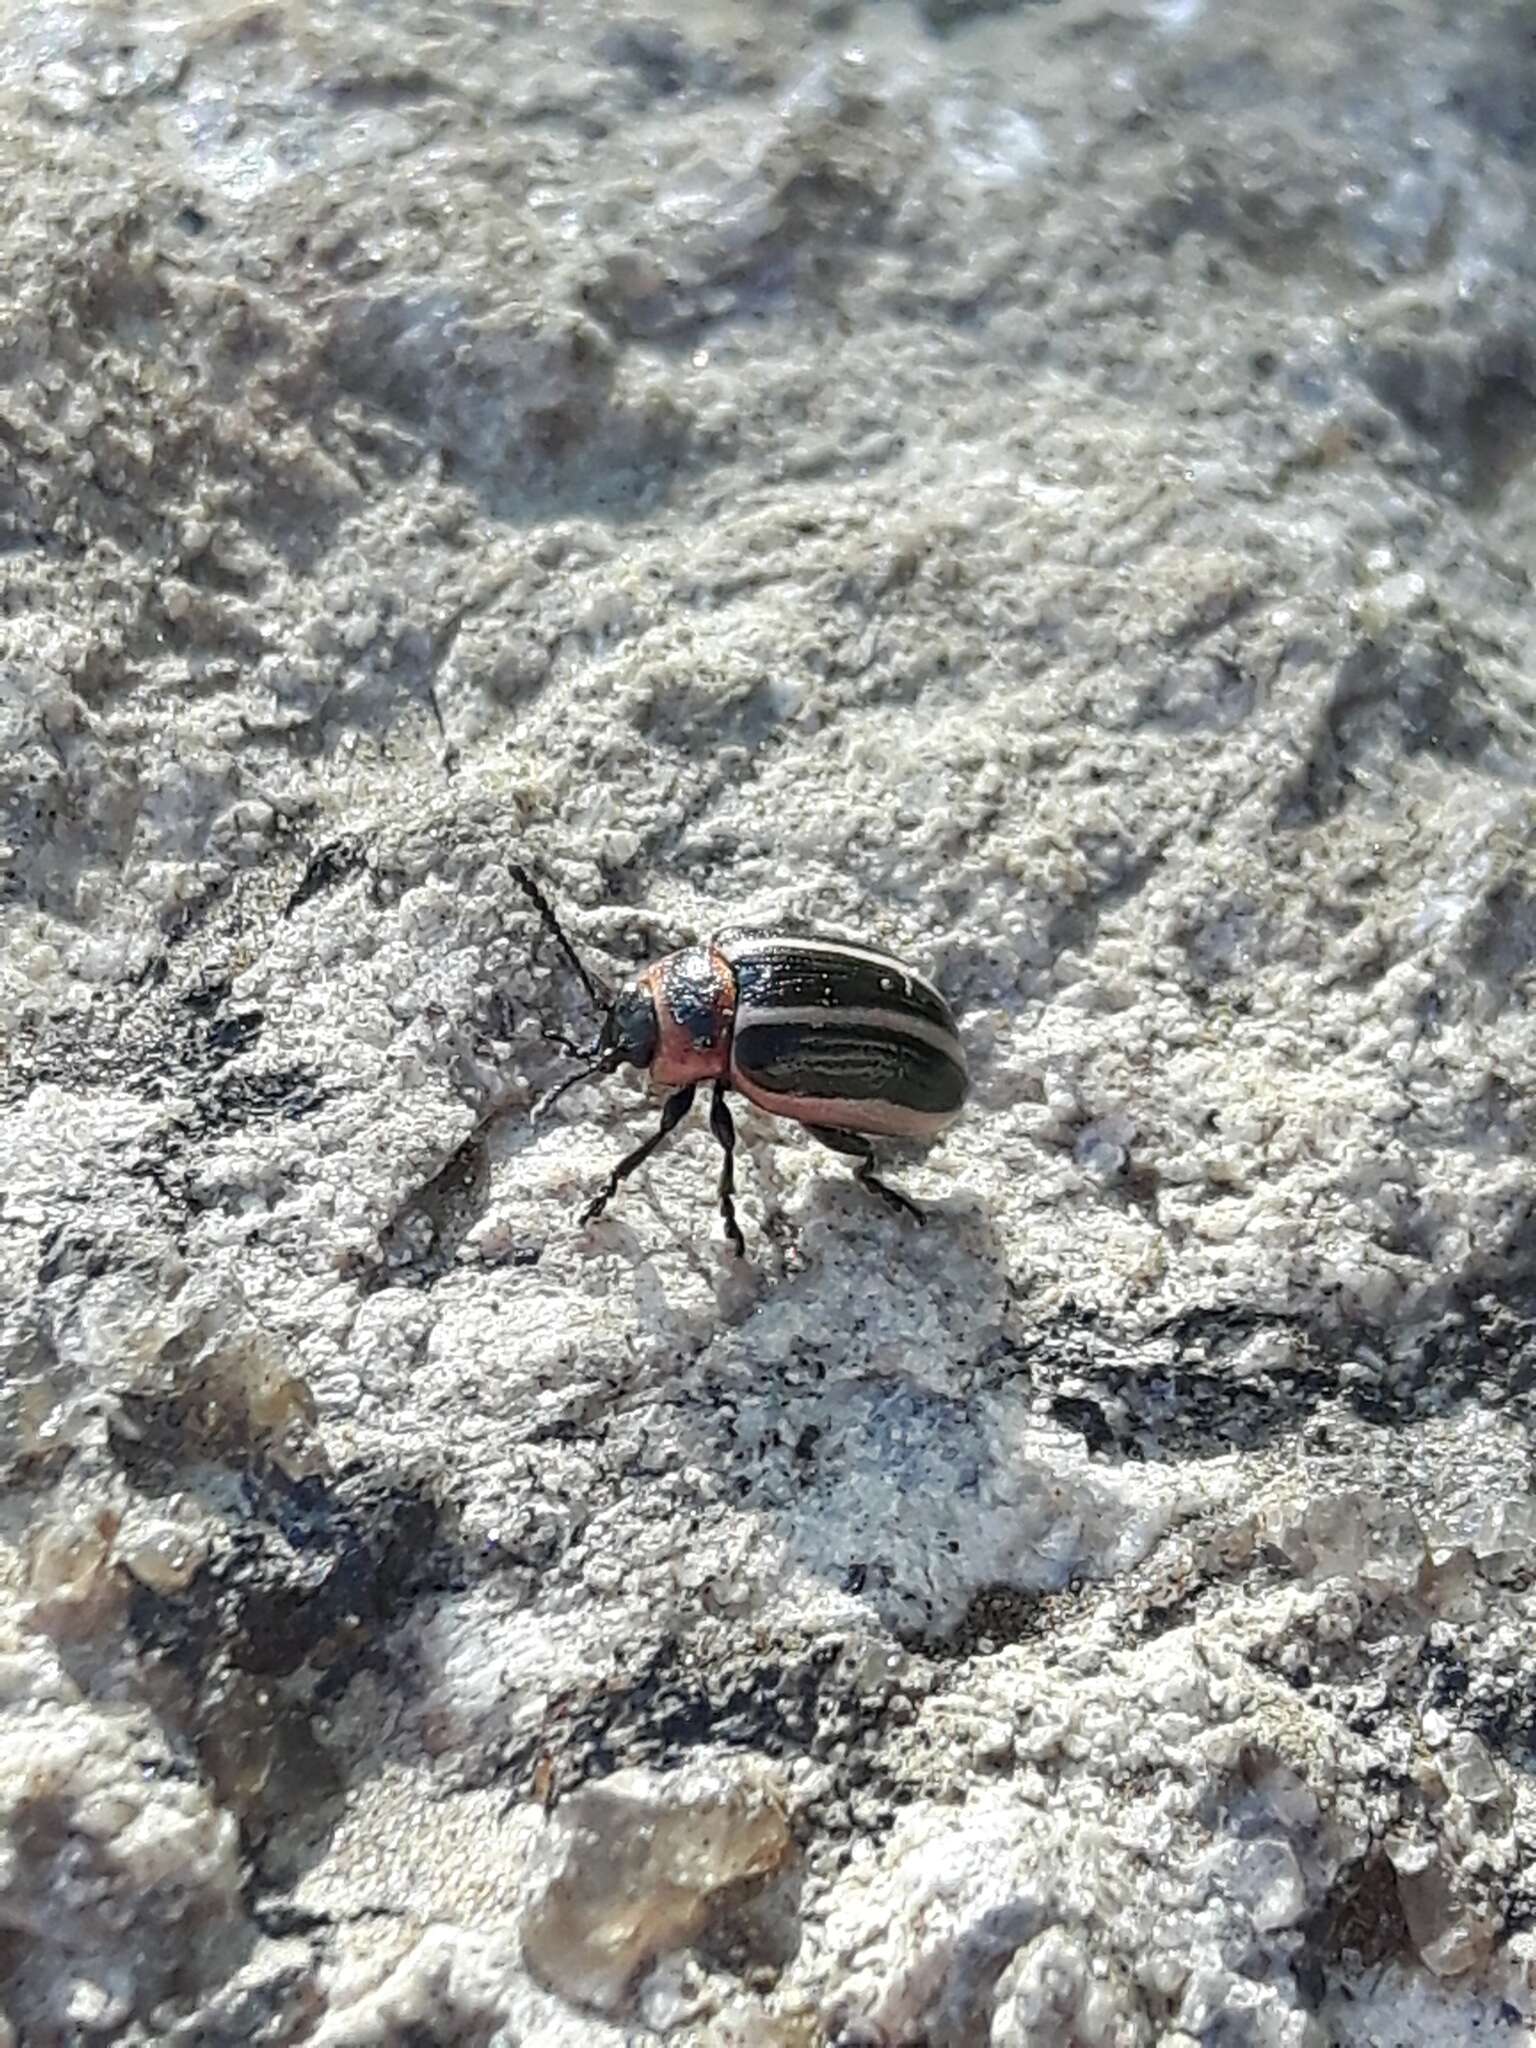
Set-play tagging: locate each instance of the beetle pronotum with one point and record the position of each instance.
(839, 1036)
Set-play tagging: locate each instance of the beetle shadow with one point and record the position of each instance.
(842, 1385)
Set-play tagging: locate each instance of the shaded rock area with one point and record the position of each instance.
(1048, 487)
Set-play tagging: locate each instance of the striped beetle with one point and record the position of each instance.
(843, 1038)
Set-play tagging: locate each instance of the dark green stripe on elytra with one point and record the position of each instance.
(775, 976)
(849, 1063)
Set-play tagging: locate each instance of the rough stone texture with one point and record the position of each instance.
(1052, 488)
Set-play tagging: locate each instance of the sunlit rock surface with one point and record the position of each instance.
(1049, 488)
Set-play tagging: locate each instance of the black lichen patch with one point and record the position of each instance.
(282, 1094)
(1171, 1393)
(211, 1032)
(1088, 1420)
(328, 865)
(796, 1702)
(206, 993)
(1174, 1392)
(248, 1658)
(75, 1252)
(177, 1020)
(231, 1035)
(996, 1617)
(161, 1044)
(199, 1059)
(321, 1567)
(1493, 1702)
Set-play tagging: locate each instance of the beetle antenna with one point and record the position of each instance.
(600, 998)
(605, 1065)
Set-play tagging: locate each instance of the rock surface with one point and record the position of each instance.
(1050, 488)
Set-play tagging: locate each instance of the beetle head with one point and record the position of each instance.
(627, 1039)
(630, 1029)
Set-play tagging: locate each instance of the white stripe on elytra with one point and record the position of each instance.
(791, 942)
(849, 1016)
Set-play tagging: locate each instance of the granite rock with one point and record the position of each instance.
(1047, 487)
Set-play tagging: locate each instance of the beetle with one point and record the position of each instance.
(837, 1035)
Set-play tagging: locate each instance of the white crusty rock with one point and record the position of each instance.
(1051, 490)
(120, 1878)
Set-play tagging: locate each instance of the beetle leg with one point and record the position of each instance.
(674, 1110)
(856, 1146)
(725, 1130)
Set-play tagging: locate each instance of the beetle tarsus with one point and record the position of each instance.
(853, 1145)
(674, 1110)
(725, 1130)
(902, 1204)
